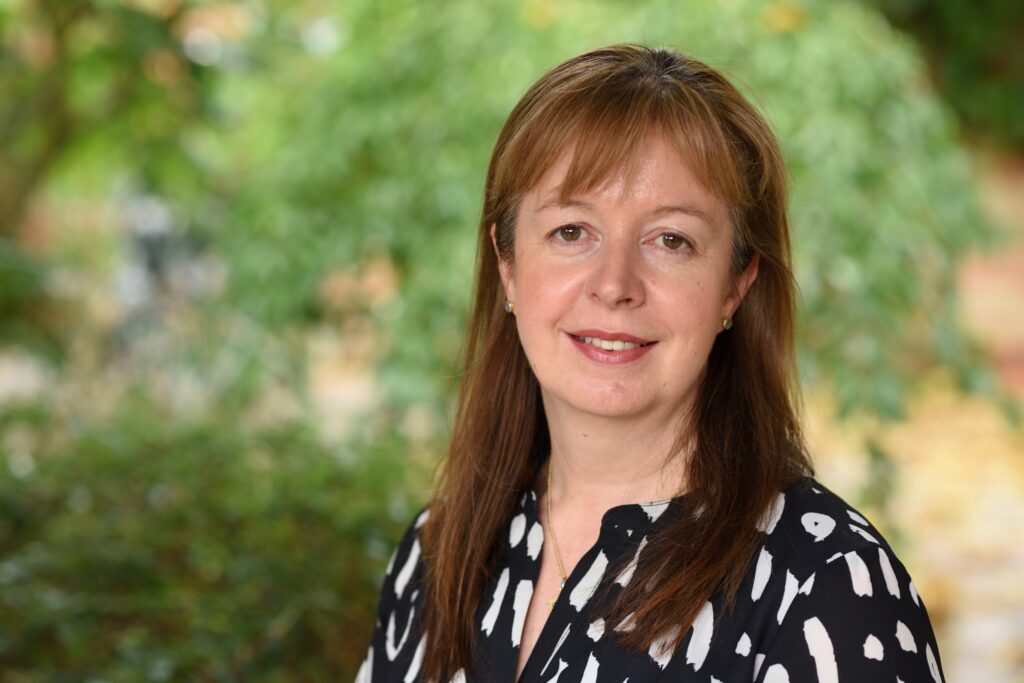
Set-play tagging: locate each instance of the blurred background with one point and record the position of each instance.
(236, 242)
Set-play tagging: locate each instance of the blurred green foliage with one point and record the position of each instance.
(101, 78)
(208, 487)
(146, 549)
(22, 294)
(974, 47)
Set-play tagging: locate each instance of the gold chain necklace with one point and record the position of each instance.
(554, 541)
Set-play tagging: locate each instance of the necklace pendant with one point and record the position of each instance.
(552, 601)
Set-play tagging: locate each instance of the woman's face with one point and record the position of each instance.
(620, 292)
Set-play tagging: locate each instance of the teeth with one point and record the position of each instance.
(611, 345)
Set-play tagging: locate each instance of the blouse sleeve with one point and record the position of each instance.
(858, 617)
(395, 644)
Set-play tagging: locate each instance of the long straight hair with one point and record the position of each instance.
(743, 434)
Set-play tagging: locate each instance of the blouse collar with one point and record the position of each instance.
(631, 516)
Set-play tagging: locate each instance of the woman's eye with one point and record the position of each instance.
(569, 233)
(673, 241)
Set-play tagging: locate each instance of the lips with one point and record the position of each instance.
(610, 348)
(609, 336)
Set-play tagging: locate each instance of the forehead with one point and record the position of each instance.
(655, 171)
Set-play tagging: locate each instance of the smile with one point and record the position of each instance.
(610, 348)
(609, 345)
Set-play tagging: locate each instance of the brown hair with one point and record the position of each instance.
(746, 437)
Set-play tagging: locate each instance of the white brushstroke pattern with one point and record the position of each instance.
(558, 645)
(743, 645)
(487, 625)
(661, 649)
(390, 648)
(534, 541)
(590, 673)
(758, 661)
(905, 637)
(857, 518)
(700, 639)
(891, 584)
(820, 647)
(863, 533)
(873, 648)
(521, 602)
(860, 577)
(788, 593)
(761, 574)
(627, 624)
(402, 580)
(562, 666)
(817, 525)
(772, 514)
(516, 530)
(933, 665)
(626, 574)
(366, 669)
(417, 661)
(582, 591)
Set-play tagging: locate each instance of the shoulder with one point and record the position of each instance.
(808, 526)
(404, 573)
(395, 643)
(405, 561)
(829, 589)
(811, 532)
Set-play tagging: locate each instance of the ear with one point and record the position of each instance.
(740, 286)
(504, 267)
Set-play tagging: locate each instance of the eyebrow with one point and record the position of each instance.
(558, 204)
(688, 209)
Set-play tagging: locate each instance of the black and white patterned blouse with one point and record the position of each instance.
(825, 600)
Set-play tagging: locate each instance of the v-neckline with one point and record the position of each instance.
(640, 518)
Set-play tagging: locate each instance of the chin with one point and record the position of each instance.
(612, 412)
(609, 405)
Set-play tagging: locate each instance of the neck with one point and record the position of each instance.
(599, 462)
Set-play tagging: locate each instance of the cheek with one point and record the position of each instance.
(689, 301)
(544, 288)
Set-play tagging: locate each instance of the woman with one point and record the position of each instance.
(627, 493)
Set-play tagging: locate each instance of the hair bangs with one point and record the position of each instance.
(604, 129)
(710, 151)
(607, 139)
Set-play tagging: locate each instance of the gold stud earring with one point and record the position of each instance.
(726, 323)
(509, 306)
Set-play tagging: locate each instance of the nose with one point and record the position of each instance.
(615, 281)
